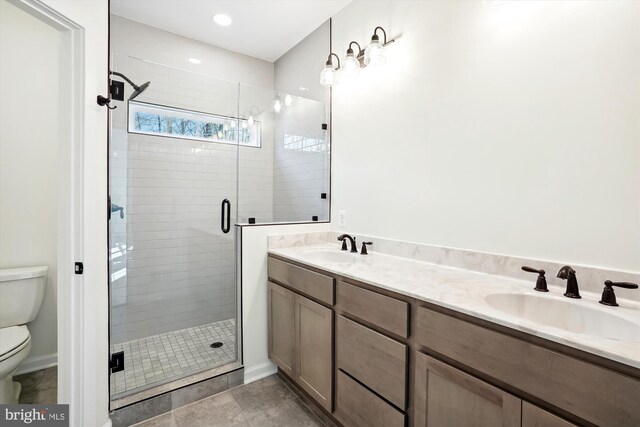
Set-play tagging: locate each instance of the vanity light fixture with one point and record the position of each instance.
(351, 62)
(328, 76)
(373, 54)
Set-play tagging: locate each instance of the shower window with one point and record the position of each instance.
(160, 120)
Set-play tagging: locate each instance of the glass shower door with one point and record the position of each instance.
(173, 185)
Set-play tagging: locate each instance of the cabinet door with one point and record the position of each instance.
(281, 327)
(532, 416)
(446, 396)
(314, 350)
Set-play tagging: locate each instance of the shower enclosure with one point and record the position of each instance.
(190, 157)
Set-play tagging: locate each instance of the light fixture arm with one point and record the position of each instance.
(330, 63)
(350, 50)
(377, 38)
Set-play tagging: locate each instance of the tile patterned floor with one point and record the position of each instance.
(160, 358)
(39, 387)
(264, 403)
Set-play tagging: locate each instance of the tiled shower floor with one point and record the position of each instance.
(159, 358)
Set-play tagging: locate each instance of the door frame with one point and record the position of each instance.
(71, 209)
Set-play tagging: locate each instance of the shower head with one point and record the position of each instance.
(137, 90)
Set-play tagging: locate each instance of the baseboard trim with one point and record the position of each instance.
(33, 364)
(260, 371)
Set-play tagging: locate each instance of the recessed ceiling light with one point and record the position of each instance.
(195, 61)
(222, 19)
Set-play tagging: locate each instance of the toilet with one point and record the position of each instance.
(21, 294)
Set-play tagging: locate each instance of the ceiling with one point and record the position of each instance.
(264, 29)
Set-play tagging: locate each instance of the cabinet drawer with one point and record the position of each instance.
(565, 382)
(380, 310)
(373, 359)
(305, 281)
(532, 416)
(358, 407)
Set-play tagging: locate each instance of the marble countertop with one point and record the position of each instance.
(465, 291)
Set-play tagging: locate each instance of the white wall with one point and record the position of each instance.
(29, 144)
(254, 294)
(507, 127)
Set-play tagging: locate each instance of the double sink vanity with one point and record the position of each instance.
(385, 340)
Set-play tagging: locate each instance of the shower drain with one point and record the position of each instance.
(216, 344)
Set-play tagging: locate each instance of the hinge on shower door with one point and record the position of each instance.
(116, 364)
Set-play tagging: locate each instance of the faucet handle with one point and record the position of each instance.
(608, 296)
(363, 251)
(541, 283)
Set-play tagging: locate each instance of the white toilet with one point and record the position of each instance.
(21, 294)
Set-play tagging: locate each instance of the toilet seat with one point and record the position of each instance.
(12, 340)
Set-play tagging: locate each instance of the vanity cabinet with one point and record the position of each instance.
(300, 338)
(446, 396)
(593, 393)
(313, 348)
(402, 362)
(281, 315)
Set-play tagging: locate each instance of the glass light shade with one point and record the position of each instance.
(350, 65)
(374, 53)
(250, 120)
(328, 76)
(277, 106)
(288, 100)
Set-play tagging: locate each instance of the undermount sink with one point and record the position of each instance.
(570, 316)
(332, 256)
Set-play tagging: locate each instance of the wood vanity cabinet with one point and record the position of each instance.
(446, 396)
(401, 362)
(579, 388)
(281, 315)
(300, 338)
(314, 350)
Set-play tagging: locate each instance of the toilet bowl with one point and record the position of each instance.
(21, 295)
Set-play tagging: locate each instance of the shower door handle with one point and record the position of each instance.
(225, 217)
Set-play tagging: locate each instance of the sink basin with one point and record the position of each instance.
(571, 316)
(331, 256)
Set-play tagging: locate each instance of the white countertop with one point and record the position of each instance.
(465, 291)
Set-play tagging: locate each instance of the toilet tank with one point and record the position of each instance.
(21, 294)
